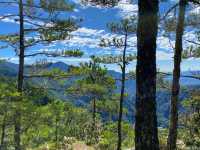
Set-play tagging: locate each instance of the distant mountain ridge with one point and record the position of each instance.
(163, 97)
(10, 69)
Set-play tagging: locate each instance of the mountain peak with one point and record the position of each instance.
(60, 65)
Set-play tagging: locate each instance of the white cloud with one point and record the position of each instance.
(195, 10)
(9, 20)
(13, 59)
(28, 22)
(126, 8)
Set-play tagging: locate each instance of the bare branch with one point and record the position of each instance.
(169, 10)
(182, 76)
(7, 16)
(48, 76)
(193, 42)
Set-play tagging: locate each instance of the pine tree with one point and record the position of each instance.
(172, 138)
(126, 28)
(17, 120)
(95, 84)
(178, 26)
(189, 120)
(8, 94)
(146, 132)
(52, 29)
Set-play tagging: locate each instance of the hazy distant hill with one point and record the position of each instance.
(163, 97)
(8, 69)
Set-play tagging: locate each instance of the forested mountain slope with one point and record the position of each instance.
(163, 96)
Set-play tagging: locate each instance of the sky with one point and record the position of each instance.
(93, 29)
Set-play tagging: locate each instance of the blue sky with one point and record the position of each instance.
(92, 29)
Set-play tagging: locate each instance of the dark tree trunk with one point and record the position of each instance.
(56, 131)
(17, 138)
(94, 114)
(146, 132)
(176, 77)
(94, 125)
(21, 54)
(119, 143)
(3, 133)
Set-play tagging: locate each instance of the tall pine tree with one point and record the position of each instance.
(49, 27)
(172, 138)
(146, 132)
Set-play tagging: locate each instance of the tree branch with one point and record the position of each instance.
(182, 76)
(195, 2)
(48, 76)
(169, 10)
(7, 16)
(193, 42)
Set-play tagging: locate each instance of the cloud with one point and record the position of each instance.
(9, 19)
(88, 39)
(127, 8)
(13, 59)
(28, 22)
(195, 10)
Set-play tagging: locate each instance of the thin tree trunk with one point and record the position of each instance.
(3, 134)
(119, 143)
(56, 132)
(176, 77)
(146, 132)
(94, 126)
(94, 114)
(17, 134)
(22, 48)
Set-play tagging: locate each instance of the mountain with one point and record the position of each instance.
(8, 69)
(163, 97)
(59, 65)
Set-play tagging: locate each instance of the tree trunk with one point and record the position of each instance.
(94, 114)
(146, 132)
(56, 132)
(119, 143)
(176, 77)
(3, 133)
(17, 121)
